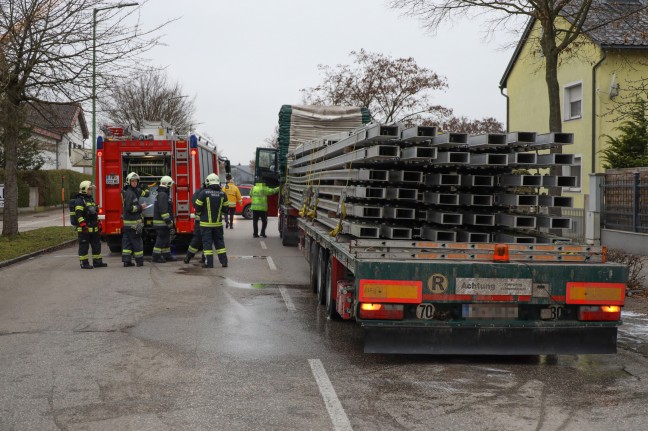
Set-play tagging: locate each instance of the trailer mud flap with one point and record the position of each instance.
(490, 341)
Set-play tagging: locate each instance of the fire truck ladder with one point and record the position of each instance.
(181, 155)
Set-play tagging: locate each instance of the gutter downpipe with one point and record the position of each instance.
(507, 107)
(594, 109)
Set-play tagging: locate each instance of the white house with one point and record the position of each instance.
(61, 130)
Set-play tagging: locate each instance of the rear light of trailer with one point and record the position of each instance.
(599, 313)
(381, 311)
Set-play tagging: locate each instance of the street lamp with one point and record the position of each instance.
(94, 77)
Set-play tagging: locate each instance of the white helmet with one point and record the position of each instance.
(85, 187)
(132, 176)
(166, 181)
(212, 179)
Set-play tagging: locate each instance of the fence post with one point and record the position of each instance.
(635, 202)
(594, 210)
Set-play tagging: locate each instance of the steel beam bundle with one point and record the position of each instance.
(418, 134)
(449, 187)
(487, 140)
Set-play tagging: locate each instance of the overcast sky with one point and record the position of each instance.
(243, 59)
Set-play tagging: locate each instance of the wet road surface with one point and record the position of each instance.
(174, 346)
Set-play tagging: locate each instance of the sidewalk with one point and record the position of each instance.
(34, 220)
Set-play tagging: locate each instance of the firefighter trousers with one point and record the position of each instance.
(196, 243)
(86, 241)
(132, 245)
(212, 237)
(162, 241)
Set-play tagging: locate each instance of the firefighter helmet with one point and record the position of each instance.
(85, 186)
(132, 176)
(212, 179)
(166, 181)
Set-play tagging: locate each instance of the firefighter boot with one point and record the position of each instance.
(85, 265)
(126, 264)
(209, 263)
(98, 263)
(158, 258)
(139, 261)
(188, 257)
(222, 258)
(169, 257)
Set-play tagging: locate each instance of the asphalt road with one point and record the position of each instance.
(177, 347)
(35, 220)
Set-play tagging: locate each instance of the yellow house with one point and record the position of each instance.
(597, 74)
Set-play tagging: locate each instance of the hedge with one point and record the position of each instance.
(49, 185)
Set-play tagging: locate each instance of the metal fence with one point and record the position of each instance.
(625, 200)
(577, 230)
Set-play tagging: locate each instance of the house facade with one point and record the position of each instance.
(596, 76)
(61, 131)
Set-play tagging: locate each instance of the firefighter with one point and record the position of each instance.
(163, 222)
(209, 207)
(233, 196)
(259, 195)
(196, 242)
(132, 244)
(88, 229)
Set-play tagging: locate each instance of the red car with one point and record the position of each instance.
(245, 208)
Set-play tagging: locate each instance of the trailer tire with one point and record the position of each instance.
(314, 256)
(323, 257)
(331, 310)
(114, 243)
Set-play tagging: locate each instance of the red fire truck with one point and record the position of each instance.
(153, 152)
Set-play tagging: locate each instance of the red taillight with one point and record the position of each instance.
(501, 253)
(599, 313)
(99, 153)
(193, 152)
(381, 311)
(101, 210)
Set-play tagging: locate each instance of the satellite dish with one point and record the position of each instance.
(614, 87)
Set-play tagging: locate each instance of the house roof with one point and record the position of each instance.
(54, 119)
(606, 26)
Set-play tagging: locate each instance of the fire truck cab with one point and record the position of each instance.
(152, 152)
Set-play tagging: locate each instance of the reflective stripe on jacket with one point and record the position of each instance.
(259, 195)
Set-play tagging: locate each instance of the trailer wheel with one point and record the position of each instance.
(331, 310)
(114, 243)
(314, 256)
(321, 275)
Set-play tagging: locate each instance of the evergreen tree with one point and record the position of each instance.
(630, 148)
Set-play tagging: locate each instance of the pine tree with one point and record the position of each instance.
(630, 148)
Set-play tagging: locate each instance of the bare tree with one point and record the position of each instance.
(553, 40)
(392, 89)
(46, 55)
(467, 125)
(149, 96)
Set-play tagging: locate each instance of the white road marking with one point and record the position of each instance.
(263, 245)
(287, 299)
(333, 405)
(271, 263)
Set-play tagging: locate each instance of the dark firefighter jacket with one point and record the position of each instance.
(163, 209)
(209, 206)
(86, 213)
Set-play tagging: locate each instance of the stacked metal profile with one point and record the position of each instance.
(381, 181)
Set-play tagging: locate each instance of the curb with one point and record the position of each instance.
(9, 262)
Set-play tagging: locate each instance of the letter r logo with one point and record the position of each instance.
(437, 283)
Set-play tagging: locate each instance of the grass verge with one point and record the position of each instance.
(34, 240)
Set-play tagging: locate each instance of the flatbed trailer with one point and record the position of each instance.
(422, 297)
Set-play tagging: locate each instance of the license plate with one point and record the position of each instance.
(112, 180)
(489, 311)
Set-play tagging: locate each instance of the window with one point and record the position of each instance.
(573, 101)
(573, 171)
